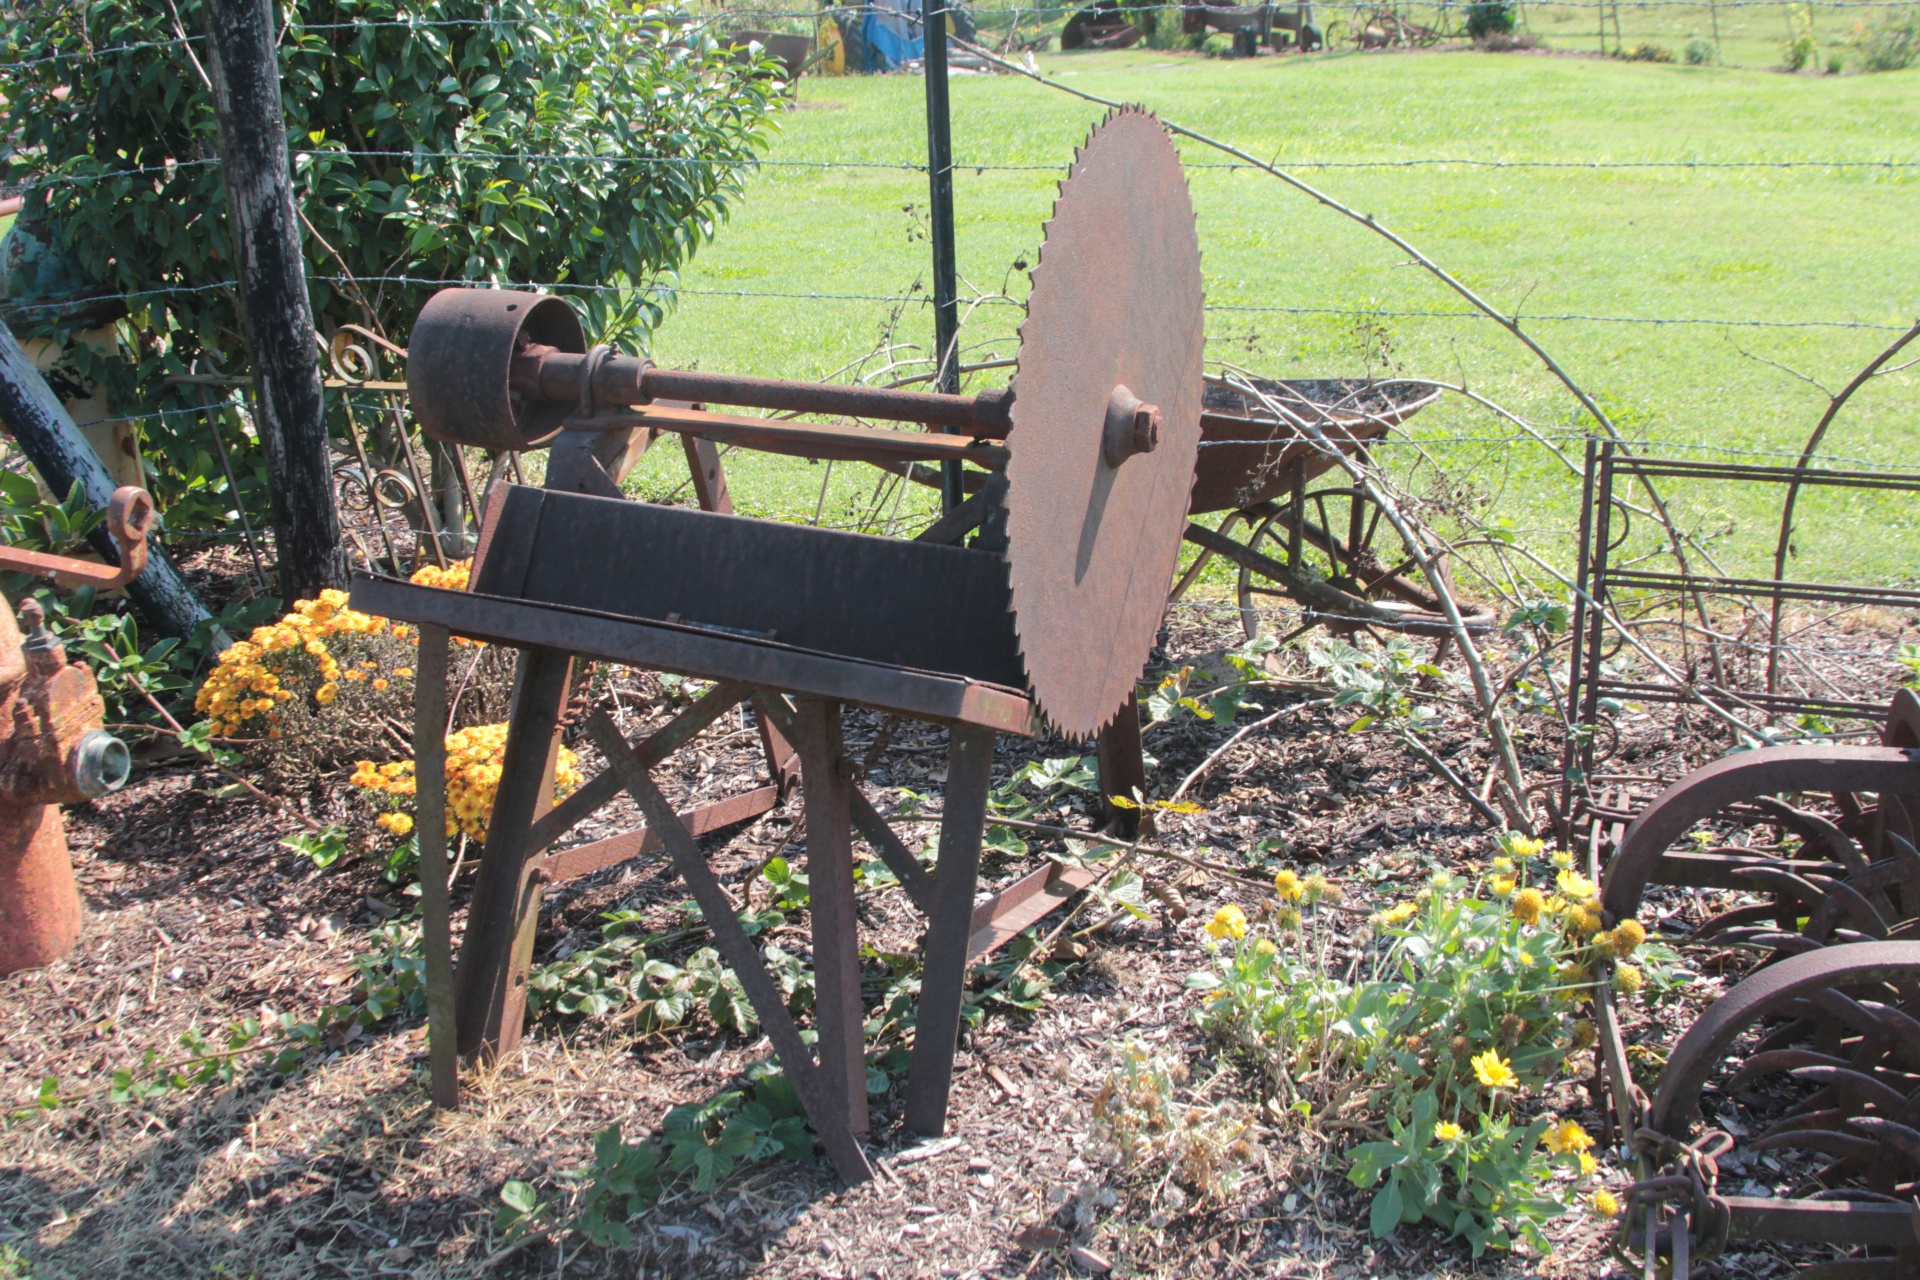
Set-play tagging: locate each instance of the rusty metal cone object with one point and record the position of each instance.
(1109, 373)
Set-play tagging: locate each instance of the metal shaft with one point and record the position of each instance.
(546, 374)
(946, 306)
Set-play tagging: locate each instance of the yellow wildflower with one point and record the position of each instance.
(1588, 1165)
(403, 673)
(1317, 888)
(1567, 1136)
(1562, 859)
(1394, 917)
(1502, 886)
(1627, 936)
(1448, 1131)
(1627, 979)
(1503, 865)
(380, 684)
(1228, 922)
(1527, 905)
(398, 823)
(1264, 947)
(1573, 884)
(1606, 1204)
(326, 693)
(1287, 885)
(1493, 1071)
(1524, 846)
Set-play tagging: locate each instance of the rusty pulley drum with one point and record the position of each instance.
(1100, 442)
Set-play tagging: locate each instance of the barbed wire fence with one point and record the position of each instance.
(410, 501)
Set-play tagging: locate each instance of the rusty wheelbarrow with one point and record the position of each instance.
(1325, 545)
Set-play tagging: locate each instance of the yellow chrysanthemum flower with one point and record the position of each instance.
(1606, 1204)
(398, 823)
(326, 693)
(1287, 885)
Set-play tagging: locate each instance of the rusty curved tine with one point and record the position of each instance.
(1841, 896)
(1779, 989)
(1815, 831)
(1903, 721)
(1773, 1061)
(1708, 790)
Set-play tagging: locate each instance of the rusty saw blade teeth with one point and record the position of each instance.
(1106, 421)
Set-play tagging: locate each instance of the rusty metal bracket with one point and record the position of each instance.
(129, 519)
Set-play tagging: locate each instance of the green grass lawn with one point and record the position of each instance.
(1796, 244)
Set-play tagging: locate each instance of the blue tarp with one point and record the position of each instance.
(892, 34)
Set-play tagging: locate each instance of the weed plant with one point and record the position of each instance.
(1468, 1001)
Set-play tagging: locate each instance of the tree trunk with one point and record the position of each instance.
(274, 307)
(45, 432)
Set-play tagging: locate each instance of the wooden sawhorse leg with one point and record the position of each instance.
(949, 927)
(490, 981)
(826, 1106)
(828, 788)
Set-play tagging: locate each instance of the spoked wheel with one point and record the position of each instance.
(1813, 1063)
(1824, 834)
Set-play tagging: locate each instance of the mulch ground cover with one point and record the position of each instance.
(198, 916)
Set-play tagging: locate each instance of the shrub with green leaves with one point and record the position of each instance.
(1892, 44)
(593, 144)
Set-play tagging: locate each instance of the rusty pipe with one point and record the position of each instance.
(545, 373)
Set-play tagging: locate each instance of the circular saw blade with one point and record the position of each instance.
(1116, 301)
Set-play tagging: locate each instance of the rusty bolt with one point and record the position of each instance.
(1132, 427)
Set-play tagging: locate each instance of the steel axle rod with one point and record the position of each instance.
(544, 373)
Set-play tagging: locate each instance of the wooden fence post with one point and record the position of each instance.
(274, 307)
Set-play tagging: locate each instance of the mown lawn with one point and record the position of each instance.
(1778, 245)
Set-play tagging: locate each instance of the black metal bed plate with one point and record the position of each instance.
(904, 604)
(694, 651)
